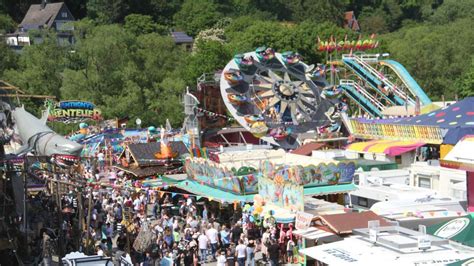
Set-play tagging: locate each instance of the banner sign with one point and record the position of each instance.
(428, 134)
(303, 220)
(332, 44)
(72, 111)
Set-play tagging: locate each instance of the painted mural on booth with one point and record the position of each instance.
(284, 194)
(212, 174)
(311, 175)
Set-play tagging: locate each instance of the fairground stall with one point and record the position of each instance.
(461, 157)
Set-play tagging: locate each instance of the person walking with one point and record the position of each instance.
(251, 253)
(265, 244)
(47, 255)
(225, 237)
(290, 245)
(241, 253)
(230, 258)
(213, 237)
(221, 259)
(274, 253)
(203, 245)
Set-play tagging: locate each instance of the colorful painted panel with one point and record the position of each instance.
(212, 174)
(367, 130)
(311, 175)
(281, 193)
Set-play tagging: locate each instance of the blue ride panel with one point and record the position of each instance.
(409, 81)
(361, 100)
(373, 81)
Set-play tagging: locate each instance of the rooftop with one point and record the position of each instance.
(181, 37)
(38, 16)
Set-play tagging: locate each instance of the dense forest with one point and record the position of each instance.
(125, 61)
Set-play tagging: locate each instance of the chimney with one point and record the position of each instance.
(44, 3)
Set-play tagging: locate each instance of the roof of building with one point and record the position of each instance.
(344, 223)
(351, 21)
(181, 37)
(38, 16)
(307, 149)
(144, 153)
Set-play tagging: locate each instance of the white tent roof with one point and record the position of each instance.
(462, 152)
(356, 251)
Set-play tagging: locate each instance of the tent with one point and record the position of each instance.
(459, 230)
(461, 156)
(389, 147)
(465, 262)
(456, 120)
(94, 143)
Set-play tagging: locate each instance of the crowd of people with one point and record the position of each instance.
(163, 228)
(181, 231)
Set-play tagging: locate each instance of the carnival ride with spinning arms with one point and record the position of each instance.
(276, 95)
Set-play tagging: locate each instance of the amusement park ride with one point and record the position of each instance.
(276, 96)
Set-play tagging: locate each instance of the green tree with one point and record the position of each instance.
(451, 10)
(39, 68)
(209, 57)
(436, 55)
(123, 74)
(465, 84)
(197, 15)
(163, 10)
(7, 24)
(101, 58)
(317, 11)
(107, 11)
(143, 24)
(8, 59)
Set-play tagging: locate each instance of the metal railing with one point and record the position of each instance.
(364, 92)
(363, 61)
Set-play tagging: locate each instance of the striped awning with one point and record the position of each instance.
(389, 147)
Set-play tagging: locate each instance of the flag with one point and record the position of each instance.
(204, 152)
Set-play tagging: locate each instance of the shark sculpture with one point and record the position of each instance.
(37, 136)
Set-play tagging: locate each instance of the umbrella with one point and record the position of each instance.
(460, 230)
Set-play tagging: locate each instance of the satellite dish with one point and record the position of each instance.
(138, 121)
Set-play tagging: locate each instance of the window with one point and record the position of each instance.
(398, 159)
(356, 179)
(64, 14)
(424, 182)
(362, 202)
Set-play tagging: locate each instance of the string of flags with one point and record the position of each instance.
(212, 114)
(138, 188)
